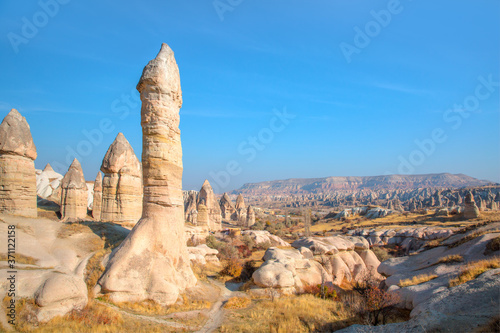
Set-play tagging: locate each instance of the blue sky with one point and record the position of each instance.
(388, 107)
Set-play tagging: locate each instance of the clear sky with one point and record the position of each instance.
(272, 89)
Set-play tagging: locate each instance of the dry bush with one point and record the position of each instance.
(492, 326)
(202, 272)
(373, 304)
(232, 268)
(493, 245)
(451, 259)
(417, 279)
(322, 291)
(94, 269)
(238, 303)
(474, 269)
(433, 243)
(381, 253)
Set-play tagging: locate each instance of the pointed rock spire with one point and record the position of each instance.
(152, 262)
(122, 183)
(17, 167)
(74, 193)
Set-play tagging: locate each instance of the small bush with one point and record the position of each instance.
(381, 253)
(451, 259)
(375, 304)
(264, 246)
(417, 279)
(232, 268)
(228, 251)
(321, 291)
(248, 241)
(212, 242)
(238, 303)
(494, 244)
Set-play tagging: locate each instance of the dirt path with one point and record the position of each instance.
(158, 320)
(216, 314)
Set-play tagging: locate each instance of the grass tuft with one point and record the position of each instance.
(474, 269)
(19, 258)
(417, 279)
(238, 303)
(451, 259)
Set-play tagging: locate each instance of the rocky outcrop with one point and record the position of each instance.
(207, 198)
(434, 262)
(97, 203)
(152, 262)
(190, 209)
(263, 237)
(289, 270)
(74, 193)
(250, 217)
(463, 308)
(334, 184)
(202, 217)
(410, 239)
(202, 254)
(122, 184)
(344, 258)
(471, 211)
(241, 210)
(47, 181)
(60, 294)
(226, 207)
(17, 167)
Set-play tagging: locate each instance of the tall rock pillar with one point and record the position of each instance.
(152, 262)
(17, 167)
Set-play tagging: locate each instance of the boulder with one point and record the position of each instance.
(60, 294)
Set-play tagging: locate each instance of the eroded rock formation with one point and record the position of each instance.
(226, 207)
(74, 193)
(97, 203)
(17, 166)
(152, 262)
(471, 211)
(122, 184)
(250, 216)
(190, 210)
(207, 198)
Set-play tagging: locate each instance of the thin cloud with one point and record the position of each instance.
(402, 88)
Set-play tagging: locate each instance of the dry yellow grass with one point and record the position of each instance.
(19, 258)
(202, 272)
(238, 303)
(152, 308)
(94, 269)
(417, 279)
(304, 313)
(474, 269)
(451, 259)
(472, 236)
(398, 221)
(93, 318)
